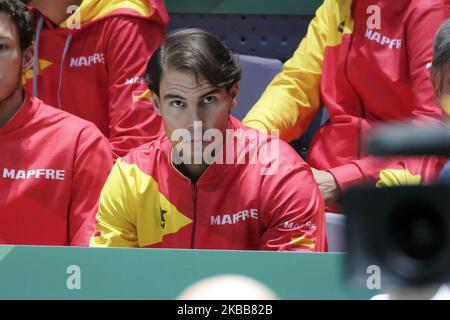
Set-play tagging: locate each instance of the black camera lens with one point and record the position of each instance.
(404, 230)
(418, 230)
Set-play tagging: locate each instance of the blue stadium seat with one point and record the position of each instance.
(257, 73)
(335, 223)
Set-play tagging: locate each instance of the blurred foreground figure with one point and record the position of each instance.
(228, 287)
(440, 76)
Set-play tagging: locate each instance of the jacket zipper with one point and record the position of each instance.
(194, 197)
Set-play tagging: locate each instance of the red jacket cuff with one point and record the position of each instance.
(347, 175)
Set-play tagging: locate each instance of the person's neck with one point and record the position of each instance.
(10, 106)
(56, 11)
(192, 171)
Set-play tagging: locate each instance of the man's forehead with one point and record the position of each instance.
(7, 28)
(185, 81)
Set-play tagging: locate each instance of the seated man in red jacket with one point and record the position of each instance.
(52, 164)
(90, 58)
(209, 182)
(366, 62)
(440, 76)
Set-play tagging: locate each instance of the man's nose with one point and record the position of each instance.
(196, 115)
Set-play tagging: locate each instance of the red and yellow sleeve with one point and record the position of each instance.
(292, 99)
(115, 226)
(388, 171)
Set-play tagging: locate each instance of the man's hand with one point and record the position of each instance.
(327, 185)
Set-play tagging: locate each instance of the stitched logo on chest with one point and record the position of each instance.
(382, 40)
(87, 61)
(234, 218)
(42, 174)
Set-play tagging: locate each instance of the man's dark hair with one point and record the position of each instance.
(441, 50)
(197, 51)
(21, 18)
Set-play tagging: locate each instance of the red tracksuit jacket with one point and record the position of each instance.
(147, 202)
(52, 168)
(363, 76)
(96, 72)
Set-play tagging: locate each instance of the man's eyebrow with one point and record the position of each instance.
(215, 90)
(173, 96)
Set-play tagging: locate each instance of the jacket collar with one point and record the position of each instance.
(22, 117)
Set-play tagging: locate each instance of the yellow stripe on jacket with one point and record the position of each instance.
(91, 10)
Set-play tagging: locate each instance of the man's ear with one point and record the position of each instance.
(27, 58)
(234, 93)
(156, 104)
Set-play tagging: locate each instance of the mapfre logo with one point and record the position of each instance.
(42, 174)
(382, 40)
(87, 61)
(234, 218)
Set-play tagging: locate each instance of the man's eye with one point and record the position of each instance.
(209, 99)
(177, 103)
(3, 46)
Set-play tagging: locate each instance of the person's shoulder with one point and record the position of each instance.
(272, 151)
(140, 164)
(417, 7)
(126, 23)
(51, 117)
(148, 153)
(424, 4)
(287, 156)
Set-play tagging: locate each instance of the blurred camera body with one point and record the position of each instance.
(405, 231)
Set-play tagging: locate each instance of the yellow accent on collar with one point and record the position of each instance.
(91, 10)
(42, 65)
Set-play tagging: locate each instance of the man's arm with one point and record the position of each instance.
(421, 24)
(388, 171)
(90, 169)
(292, 99)
(115, 225)
(292, 212)
(132, 121)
